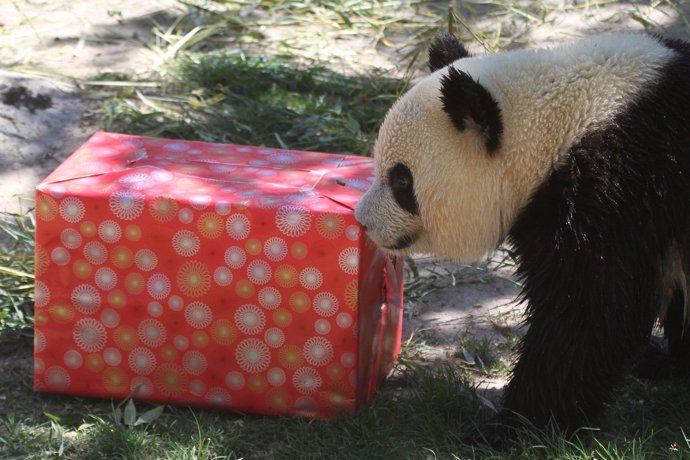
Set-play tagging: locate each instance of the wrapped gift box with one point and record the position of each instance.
(211, 275)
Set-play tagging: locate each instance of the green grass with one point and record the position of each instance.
(16, 272)
(259, 73)
(227, 97)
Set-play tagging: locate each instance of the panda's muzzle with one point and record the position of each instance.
(404, 242)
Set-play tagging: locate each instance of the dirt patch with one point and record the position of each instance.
(19, 96)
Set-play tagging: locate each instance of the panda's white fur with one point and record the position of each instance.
(548, 100)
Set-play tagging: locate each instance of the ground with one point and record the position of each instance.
(51, 50)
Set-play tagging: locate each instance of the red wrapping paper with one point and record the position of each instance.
(211, 275)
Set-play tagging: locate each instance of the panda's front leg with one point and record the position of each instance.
(588, 321)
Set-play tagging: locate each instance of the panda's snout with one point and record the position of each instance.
(358, 216)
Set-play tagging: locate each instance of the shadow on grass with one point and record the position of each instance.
(227, 97)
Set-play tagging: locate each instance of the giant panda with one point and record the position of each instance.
(579, 157)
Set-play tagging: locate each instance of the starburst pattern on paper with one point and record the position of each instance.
(238, 226)
(109, 231)
(311, 278)
(348, 259)
(325, 304)
(249, 319)
(275, 249)
(152, 332)
(126, 204)
(318, 351)
(306, 380)
(95, 252)
(252, 355)
(86, 299)
(293, 221)
(72, 209)
(198, 315)
(89, 335)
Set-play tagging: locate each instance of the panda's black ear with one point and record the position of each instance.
(470, 106)
(444, 50)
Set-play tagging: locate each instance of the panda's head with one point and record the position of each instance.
(463, 152)
(436, 184)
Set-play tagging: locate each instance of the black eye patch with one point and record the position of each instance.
(402, 183)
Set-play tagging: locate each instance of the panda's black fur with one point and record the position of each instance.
(591, 245)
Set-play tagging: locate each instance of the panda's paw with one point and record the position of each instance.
(494, 433)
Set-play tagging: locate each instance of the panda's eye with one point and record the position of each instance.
(400, 177)
(401, 183)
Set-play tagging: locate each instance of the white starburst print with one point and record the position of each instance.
(352, 232)
(252, 355)
(41, 294)
(86, 299)
(142, 361)
(158, 286)
(311, 278)
(186, 243)
(275, 249)
(306, 380)
(105, 278)
(275, 376)
(259, 272)
(198, 315)
(112, 356)
(269, 298)
(60, 256)
(95, 252)
(72, 209)
(110, 318)
(70, 238)
(109, 231)
(73, 359)
(40, 341)
(274, 337)
(126, 204)
(293, 221)
(318, 351)
(249, 319)
(57, 378)
(197, 387)
(136, 181)
(152, 332)
(238, 226)
(348, 259)
(322, 326)
(235, 257)
(89, 335)
(222, 276)
(145, 260)
(343, 320)
(325, 304)
(235, 380)
(194, 362)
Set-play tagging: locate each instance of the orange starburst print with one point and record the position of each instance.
(193, 278)
(170, 379)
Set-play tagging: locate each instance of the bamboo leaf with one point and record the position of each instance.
(150, 415)
(130, 413)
